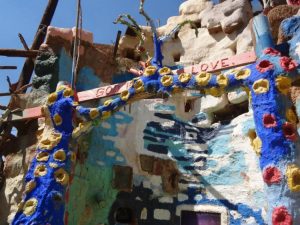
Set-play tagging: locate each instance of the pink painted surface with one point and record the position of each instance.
(224, 63)
(114, 89)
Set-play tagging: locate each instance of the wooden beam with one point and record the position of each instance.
(40, 35)
(19, 53)
(8, 67)
(114, 89)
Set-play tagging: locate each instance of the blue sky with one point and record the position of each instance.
(23, 16)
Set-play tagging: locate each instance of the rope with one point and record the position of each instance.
(76, 44)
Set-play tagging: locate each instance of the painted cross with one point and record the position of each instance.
(268, 80)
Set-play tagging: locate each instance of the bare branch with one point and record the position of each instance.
(177, 28)
(132, 24)
(147, 17)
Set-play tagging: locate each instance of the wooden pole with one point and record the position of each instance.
(8, 67)
(19, 53)
(117, 44)
(38, 40)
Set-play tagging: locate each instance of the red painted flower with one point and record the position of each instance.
(289, 131)
(269, 121)
(293, 2)
(264, 66)
(272, 175)
(287, 63)
(141, 49)
(271, 51)
(281, 216)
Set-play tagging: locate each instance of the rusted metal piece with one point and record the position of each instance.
(8, 67)
(23, 41)
(19, 53)
(28, 67)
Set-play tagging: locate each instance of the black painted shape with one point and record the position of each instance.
(158, 148)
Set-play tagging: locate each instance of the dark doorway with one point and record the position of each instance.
(125, 216)
(200, 218)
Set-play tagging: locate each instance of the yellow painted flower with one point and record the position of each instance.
(81, 129)
(30, 186)
(166, 80)
(61, 176)
(61, 87)
(242, 74)
(184, 77)
(216, 92)
(94, 113)
(107, 102)
(293, 177)
(283, 84)
(57, 119)
(149, 71)
(49, 142)
(105, 115)
(222, 80)
(261, 86)
(203, 78)
(59, 155)
(139, 86)
(125, 95)
(291, 116)
(51, 98)
(40, 170)
(30, 206)
(42, 156)
(165, 71)
(257, 144)
(20, 206)
(73, 156)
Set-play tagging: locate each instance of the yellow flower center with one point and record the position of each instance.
(283, 84)
(261, 86)
(167, 80)
(242, 74)
(149, 71)
(203, 78)
(184, 77)
(222, 80)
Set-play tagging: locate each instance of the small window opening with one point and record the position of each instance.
(197, 24)
(195, 218)
(176, 35)
(176, 57)
(189, 106)
(129, 53)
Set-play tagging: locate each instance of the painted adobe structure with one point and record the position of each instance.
(159, 158)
